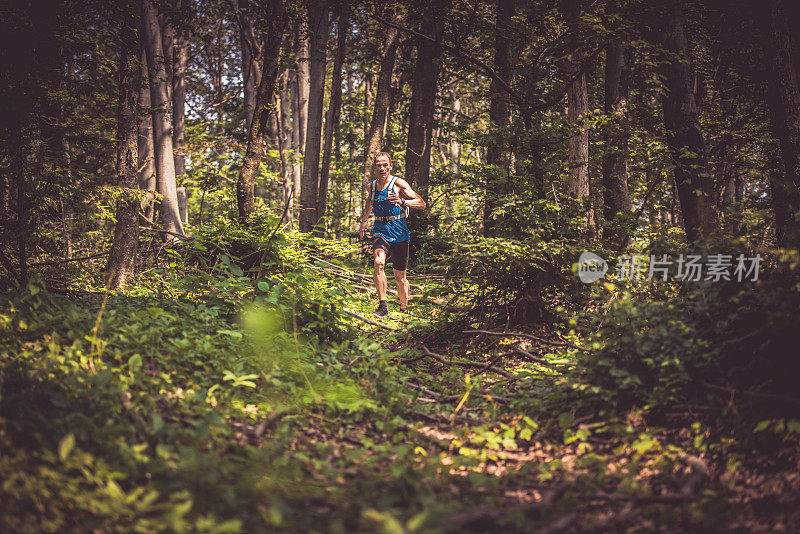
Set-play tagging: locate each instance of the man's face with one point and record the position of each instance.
(383, 165)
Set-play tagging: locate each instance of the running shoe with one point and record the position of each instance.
(383, 310)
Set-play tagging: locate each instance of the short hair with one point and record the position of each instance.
(382, 154)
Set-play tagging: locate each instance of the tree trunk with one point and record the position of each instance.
(162, 127)
(146, 175)
(616, 200)
(499, 117)
(453, 146)
(264, 104)
(286, 144)
(369, 100)
(377, 127)
(318, 21)
(126, 231)
(334, 110)
(783, 96)
(684, 137)
(296, 145)
(423, 98)
(302, 60)
(577, 108)
(180, 59)
(67, 211)
(166, 24)
(251, 52)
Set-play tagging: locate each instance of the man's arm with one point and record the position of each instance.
(407, 197)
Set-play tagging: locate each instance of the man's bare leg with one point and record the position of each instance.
(403, 287)
(379, 274)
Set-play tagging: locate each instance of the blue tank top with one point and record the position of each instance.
(393, 231)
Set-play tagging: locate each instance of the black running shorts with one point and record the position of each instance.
(396, 252)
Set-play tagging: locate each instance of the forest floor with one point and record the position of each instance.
(602, 475)
(152, 412)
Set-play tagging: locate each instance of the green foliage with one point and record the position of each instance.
(515, 276)
(651, 351)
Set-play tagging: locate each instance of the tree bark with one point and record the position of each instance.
(577, 108)
(377, 127)
(286, 144)
(146, 176)
(296, 145)
(499, 117)
(126, 231)
(162, 127)
(302, 67)
(334, 111)
(318, 21)
(251, 52)
(180, 59)
(616, 200)
(423, 99)
(167, 27)
(264, 103)
(684, 137)
(783, 95)
(453, 146)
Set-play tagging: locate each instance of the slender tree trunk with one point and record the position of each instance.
(302, 61)
(67, 211)
(499, 117)
(783, 96)
(369, 100)
(296, 146)
(126, 231)
(380, 111)
(180, 59)
(285, 140)
(334, 110)
(162, 127)
(318, 18)
(251, 52)
(264, 104)
(146, 176)
(423, 99)
(318, 22)
(577, 108)
(684, 137)
(616, 200)
(453, 146)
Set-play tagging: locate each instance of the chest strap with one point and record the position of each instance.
(393, 217)
(403, 215)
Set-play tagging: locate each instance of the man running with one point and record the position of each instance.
(390, 197)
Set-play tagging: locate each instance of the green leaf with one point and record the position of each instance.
(416, 522)
(135, 361)
(762, 426)
(65, 446)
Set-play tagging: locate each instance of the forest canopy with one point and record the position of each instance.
(602, 278)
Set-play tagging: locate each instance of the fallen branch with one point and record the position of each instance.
(369, 321)
(469, 365)
(78, 258)
(536, 359)
(491, 363)
(341, 274)
(526, 336)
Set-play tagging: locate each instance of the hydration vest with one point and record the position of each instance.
(392, 180)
